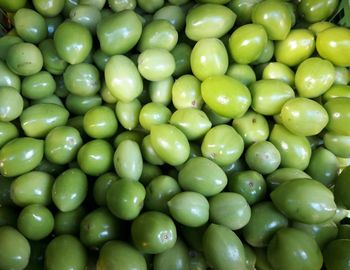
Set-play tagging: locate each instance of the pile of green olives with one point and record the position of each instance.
(175, 135)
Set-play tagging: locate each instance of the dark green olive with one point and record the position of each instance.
(341, 187)
(53, 63)
(69, 222)
(336, 254)
(101, 185)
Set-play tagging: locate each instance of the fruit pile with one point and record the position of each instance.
(187, 135)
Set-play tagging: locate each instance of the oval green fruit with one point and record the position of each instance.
(8, 131)
(53, 63)
(336, 254)
(338, 110)
(339, 145)
(39, 85)
(11, 104)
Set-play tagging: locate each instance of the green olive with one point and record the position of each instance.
(128, 113)
(222, 144)
(209, 58)
(98, 227)
(337, 144)
(8, 131)
(250, 184)
(101, 185)
(11, 103)
(120, 255)
(336, 90)
(5, 44)
(161, 91)
(182, 54)
(14, 249)
(316, 10)
(120, 74)
(223, 248)
(20, 156)
(153, 114)
(37, 120)
(88, 16)
(203, 176)
(35, 222)
(341, 185)
(294, 249)
(119, 32)
(52, 23)
(53, 63)
(69, 222)
(39, 85)
(229, 209)
(282, 175)
(339, 115)
(265, 221)
(170, 144)
(269, 95)
(95, 157)
(73, 42)
(128, 160)
(80, 105)
(243, 9)
(8, 77)
(279, 71)
(30, 25)
(48, 8)
(173, 14)
(11, 6)
(336, 254)
(295, 150)
(209, 21)
(186, 92)
(149, 153)
(153, 232)
(231, 98)
(69, 189)
(119, 5)
(242, 72)
(24, 59)
(33, 187)
(65, 252)
(304, 200)
(189, 208)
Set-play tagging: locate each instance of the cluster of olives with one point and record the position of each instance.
(187, 135)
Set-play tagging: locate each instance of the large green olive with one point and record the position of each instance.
(242, 72)
(226, 96)
(173, 14)
(268, 96)
(73, 42)
(49, 8)
(87, 15)
(296, 47)
(120, 255)
(69, 189)
(170, 144)
(336, 254)
(304, 200)
(339, 115)
(209, 21)
(189, 208)
(243, 9)
(35, 222)
(24, 59)
(209, 58)
(128, 113)
(14, 249)
(69, 222)
(80, 105)
(11, 6)
(148, 152)
(278, 71)
(295, 150)
(33, 187)
(186, 92)
(20, 156)
(65, 252)
(153, 232)
(30, 25)
(265, 221)
(274, 16)
(293, 249)
(153, 114)
(8, 131)
(222, 248)
(95, 157)
(11, 103)
(333, 44)
(161, 91)
(304, 116)
(282, 175)
(39, 85)
(37, 120)
(100, 122)
(222, 144)
(120, 74)
(8, 77)
(336, 90)
(229, 209)
(316, 10)
(119, 32)
(339, 145)
(247, 43)
(203, 176)
(52, 62)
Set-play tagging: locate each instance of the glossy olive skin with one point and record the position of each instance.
(189, 208)
(304, 200)
(65, 252)
(101, 185)
(69, 189)
(88, 16)
(69, 222)
(337, 144)
(33, 187)
(203, 176)
(120, 255)
(186, 92)
(209, 58)
(39, 85)
(274, 16)
(182, 54)
(231, 98)
(8, 77)
(15, 249)
(125, 198)
(293, 249)
(208, 21)
(153, 232)
(53, 63)
(282, 175)
(279, 71)
(315, 10)
(62, 144)
(336, 254)
(339, 115)
(98, 227)
(222, 248)
(333, 44)
(20, 155)
(322, 233)
(153, 114)
(119, 33)
(265, 221)
(297, 154)
(37, 120)
(73, 42)
(11, 104)
(341, 185)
